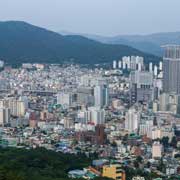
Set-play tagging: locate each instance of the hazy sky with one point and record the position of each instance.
(104, 17)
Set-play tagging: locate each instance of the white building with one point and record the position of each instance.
(156, 133)
(97, 115)
(160, 65)
(65, 99)
(17, 107)
(93, 115)
(132, 120)
(4, 116)
(138, 178)
(146, 128)
(159, 133)
(140, 60)
(119, 64)
(155, 70)
(150, 67)
(133, 63)
(114, 64)
(83, 117)
(139, 67)
(126, 61)
(1, 64)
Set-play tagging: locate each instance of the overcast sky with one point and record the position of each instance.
(103, 17)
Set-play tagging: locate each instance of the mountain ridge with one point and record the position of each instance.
(150, 43)
(22, 42)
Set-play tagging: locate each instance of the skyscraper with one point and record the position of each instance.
(114, 64)
(171, 66)
(101, 95)
(17, 107)
(93, 115)
(141, 86)
(150, 67)
(119, 64)
(155, 70)
(4, 116)
(132, 120)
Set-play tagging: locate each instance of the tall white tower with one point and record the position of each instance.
(132, 120)
(119, 64)
(160, 65)
(139, 67)
(114, 64)
(150, 67)
(155, 70)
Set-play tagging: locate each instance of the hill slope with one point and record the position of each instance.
(23, 42)
(146, 43)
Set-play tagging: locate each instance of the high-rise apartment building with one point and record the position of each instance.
(150, 67)
(132, 120)
(114, 64)
(141, 86)
(4, 116)
(93, 115)
(101, 96)
(171, 67)
(169, 102)
(17, 107)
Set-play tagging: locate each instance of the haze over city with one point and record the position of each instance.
(108, 18)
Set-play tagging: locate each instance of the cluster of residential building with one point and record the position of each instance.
(123, 119)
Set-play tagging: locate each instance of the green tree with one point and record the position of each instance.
(38, 164)
(139, 159)
(161, 166)
(165, 141)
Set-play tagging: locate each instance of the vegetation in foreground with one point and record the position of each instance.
(38, 164)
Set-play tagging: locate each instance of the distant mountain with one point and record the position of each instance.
(147, 43)
(22, 42)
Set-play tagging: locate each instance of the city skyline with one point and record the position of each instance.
(82, 106)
